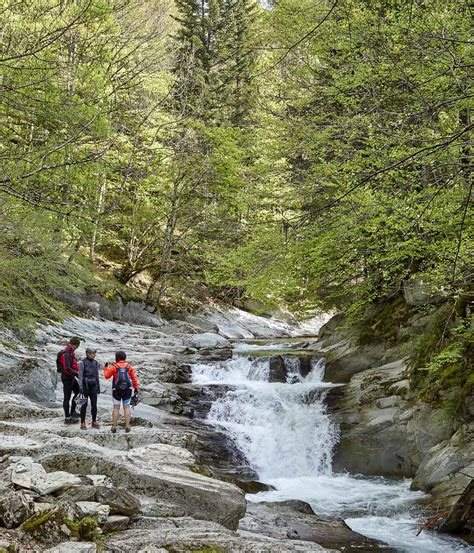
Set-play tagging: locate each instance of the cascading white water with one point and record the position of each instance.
(288, 438)
(238, 371)
(262, 419)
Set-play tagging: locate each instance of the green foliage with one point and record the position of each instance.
(33, 270)
(215, 60)
(442, 360)
(375, 138)
(311, 155)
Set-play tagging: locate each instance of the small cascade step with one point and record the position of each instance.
(288, 368)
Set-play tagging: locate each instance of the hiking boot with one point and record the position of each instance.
(127, 429)
(75, 417)
(83, 426)
(95, 424)
(67, 420)
(113, 429)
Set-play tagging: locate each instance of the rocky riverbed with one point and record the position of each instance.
(63, 489)
(172, 484)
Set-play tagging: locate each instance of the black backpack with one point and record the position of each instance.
(59, 366)
(123, 382)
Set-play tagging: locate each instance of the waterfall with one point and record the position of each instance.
(270, 421)
(287, 436)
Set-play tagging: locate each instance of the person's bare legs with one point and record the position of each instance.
(115, 416)
(127, 414)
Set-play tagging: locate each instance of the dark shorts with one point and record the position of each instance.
(122, 396)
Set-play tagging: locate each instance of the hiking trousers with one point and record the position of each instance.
(70, 388)
(90, 392)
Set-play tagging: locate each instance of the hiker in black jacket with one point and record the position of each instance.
(89, 386)
(67, 366)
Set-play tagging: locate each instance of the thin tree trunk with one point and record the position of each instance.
(100, 208)
(76, 249)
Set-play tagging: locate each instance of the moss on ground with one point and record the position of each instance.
(85, 529)
(34, 522)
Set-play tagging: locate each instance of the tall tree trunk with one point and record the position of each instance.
(100, 208)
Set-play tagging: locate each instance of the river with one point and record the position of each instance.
(288, 438)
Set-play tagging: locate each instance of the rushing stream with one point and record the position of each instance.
(288, 438)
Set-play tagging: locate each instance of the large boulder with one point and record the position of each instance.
(460, 519)
(206, 341)
(295, 520)
(278, 372)
(164, 473)
(94, 305)
(95, 510)
(28, 474)
(449, 465)
(31, 377)
(15, 407)
(188, 534)
(25, 472)
(201, 324)
(116, 523)
(347, 358)
(177, 374)
(373, 430)
(80, 492)
(53, 525)
(54, 481)
(119, 500)
(416, 292)
(382, 431)
(332, 331)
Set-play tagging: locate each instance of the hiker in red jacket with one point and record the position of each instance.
(124, 379)
(69, 369)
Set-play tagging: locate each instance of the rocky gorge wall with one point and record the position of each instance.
(386, 429)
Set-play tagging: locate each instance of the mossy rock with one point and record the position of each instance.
(12, 548)
(193, 549)
(88, 529)
(32, 524)
(59, 523)
(48, 527)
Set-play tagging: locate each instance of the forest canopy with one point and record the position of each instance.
(298, 153)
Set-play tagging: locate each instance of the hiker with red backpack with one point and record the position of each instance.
(66, 365)
(124, 379)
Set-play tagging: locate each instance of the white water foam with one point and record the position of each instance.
(288, 437)
(238, 371)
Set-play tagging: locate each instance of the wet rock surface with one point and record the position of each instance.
(386, 431)
(278, 370)
(184, 534)
(296, 520)
(460, 518)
